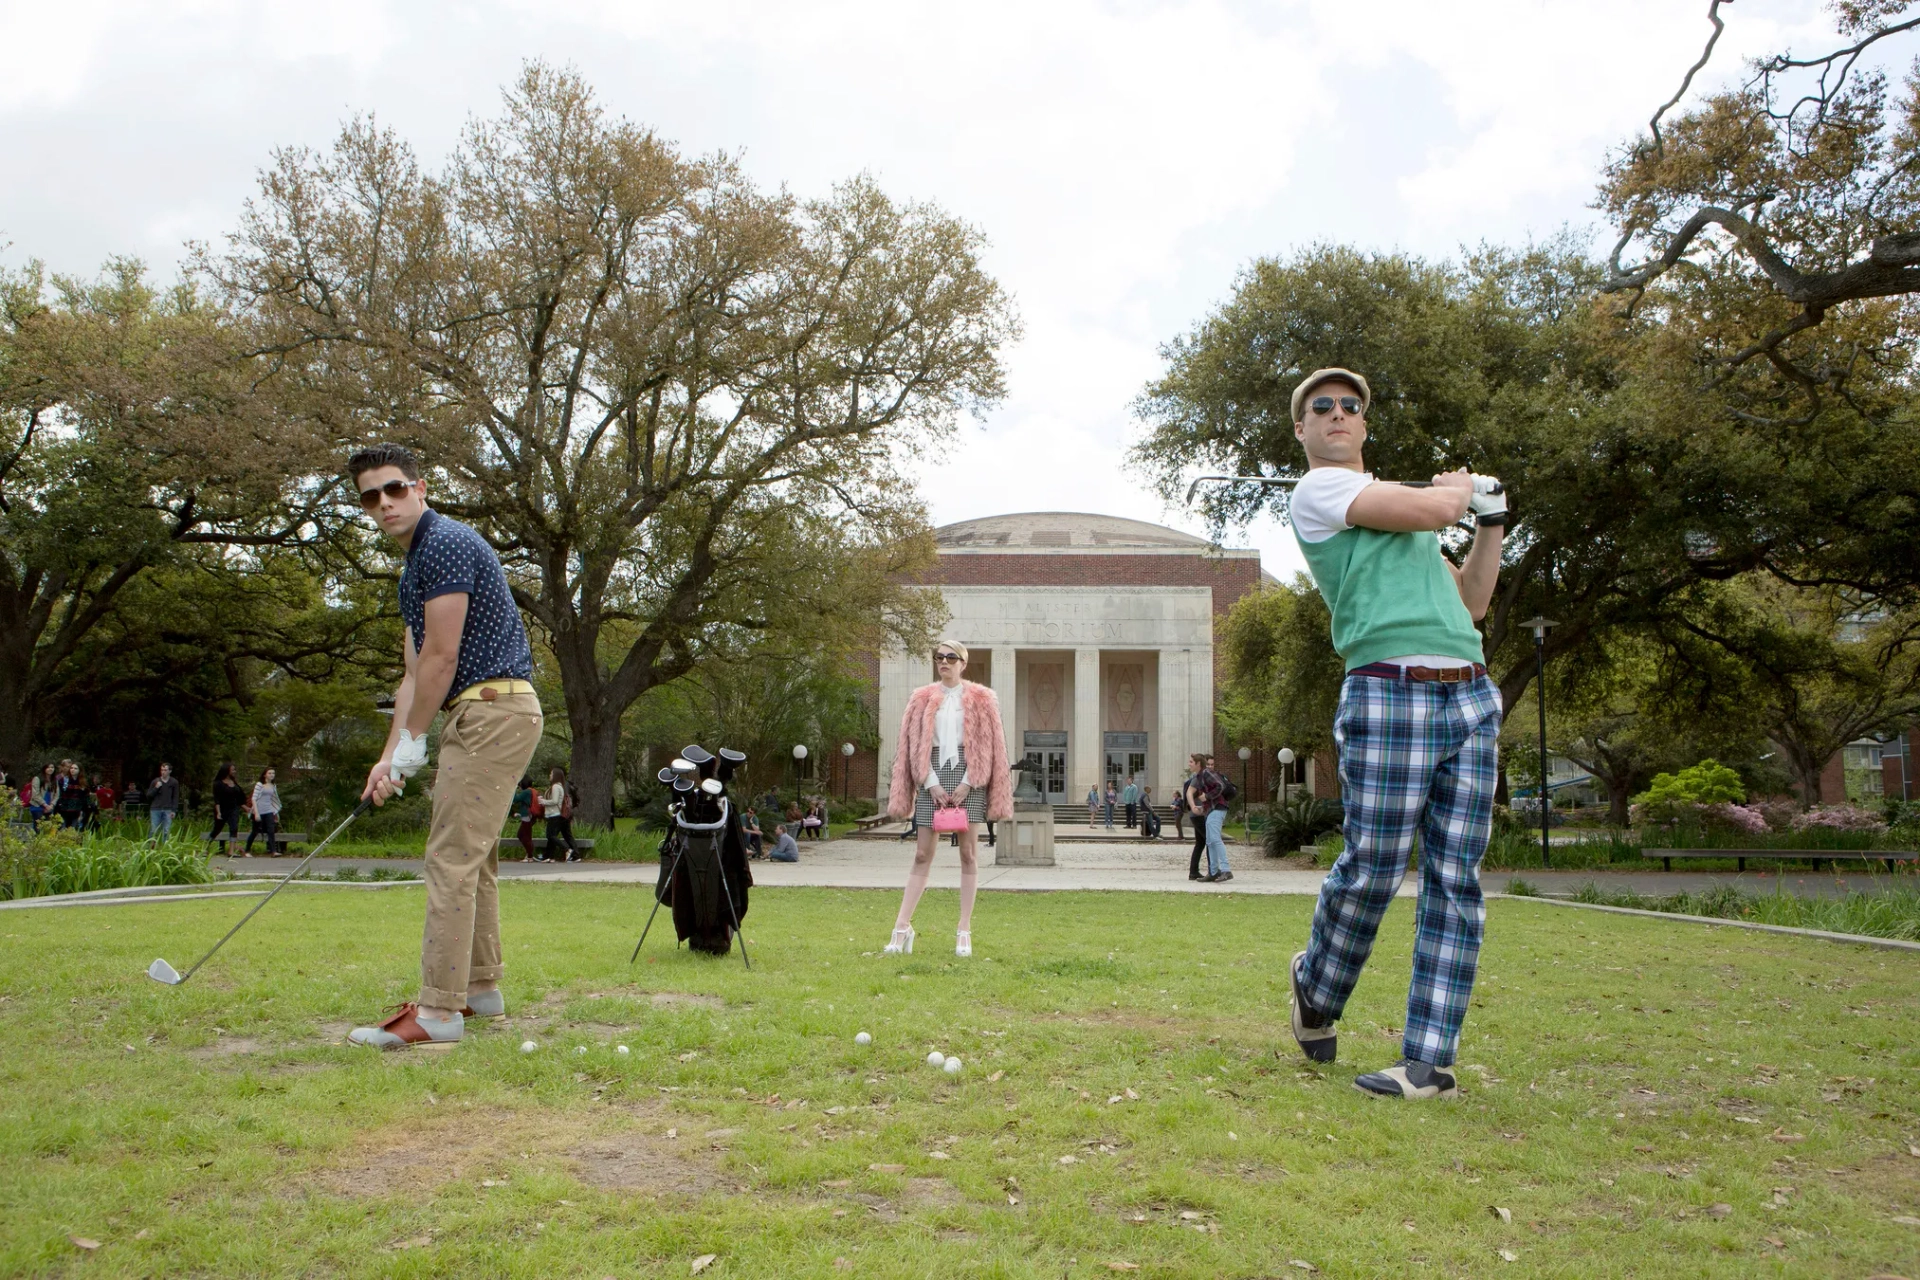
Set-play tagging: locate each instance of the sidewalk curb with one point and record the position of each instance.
(130, 898)
(1861, 939)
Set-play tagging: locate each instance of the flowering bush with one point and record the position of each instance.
(1778, 813)
(1838, 817)
(1739, 817)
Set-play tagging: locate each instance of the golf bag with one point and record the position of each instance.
(704, 876)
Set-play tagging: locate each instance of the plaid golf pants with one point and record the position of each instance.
(1420, 757)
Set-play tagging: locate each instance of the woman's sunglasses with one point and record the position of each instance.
(395, 489)
(1323, 405)
(941, 655)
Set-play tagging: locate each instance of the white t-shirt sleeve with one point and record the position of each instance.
(1321, 499)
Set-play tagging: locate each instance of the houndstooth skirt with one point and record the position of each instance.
(950, 779)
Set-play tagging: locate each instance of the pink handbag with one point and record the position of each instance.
(951, 817)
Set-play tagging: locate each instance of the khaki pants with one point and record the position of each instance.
(484, 748)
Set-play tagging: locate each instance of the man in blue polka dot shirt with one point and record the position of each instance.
(466, 652)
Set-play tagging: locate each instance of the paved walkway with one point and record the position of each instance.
(1110, 865)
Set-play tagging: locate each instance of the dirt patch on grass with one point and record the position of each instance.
(1891, 1181)
(227, 1047)
(626, 1150)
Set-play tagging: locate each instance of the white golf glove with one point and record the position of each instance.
(410, 756)
(1489, 501)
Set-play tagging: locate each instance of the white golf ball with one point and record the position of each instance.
(620, 1049)
(935, 1058)
(952, 1066)
(580, 1049)
(863, 1038)
(528, 1046)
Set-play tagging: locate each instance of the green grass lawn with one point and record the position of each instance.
(1643, 1098)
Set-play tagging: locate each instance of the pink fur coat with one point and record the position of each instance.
(981, 731)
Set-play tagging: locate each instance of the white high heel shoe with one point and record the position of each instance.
(902, 943)
(963, 942)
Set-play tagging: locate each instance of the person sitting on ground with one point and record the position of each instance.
(785, 848)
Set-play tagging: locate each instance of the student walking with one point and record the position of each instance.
(228, 800)
(465, 651)
(1193, 794)
(521, 811)
(558, 803)
(1416, 730)
(1093, 807)
(952, 754)
(266, 814)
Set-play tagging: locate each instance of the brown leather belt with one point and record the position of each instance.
(1435, 675)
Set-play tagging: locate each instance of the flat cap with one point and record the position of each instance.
(1318, 376)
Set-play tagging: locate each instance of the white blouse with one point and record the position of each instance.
(947, 727)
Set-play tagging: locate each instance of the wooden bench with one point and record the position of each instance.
(1815, 856)
(871, 821)
(540, 842)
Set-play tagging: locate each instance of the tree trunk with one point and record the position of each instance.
(1619, 788)
(17, 723)
(596, 739)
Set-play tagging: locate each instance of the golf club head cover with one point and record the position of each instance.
(730, 762)
(701, 757)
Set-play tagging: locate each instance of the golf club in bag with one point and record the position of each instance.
(161, 971)
(703, 862)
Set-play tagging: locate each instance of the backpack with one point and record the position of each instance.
(566, 802)
(537, 807)
(1228, 792)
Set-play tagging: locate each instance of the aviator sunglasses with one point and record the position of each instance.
(395, 489)
(1323, 405)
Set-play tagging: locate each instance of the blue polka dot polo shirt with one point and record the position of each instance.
(448, 556)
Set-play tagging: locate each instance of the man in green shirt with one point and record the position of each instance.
(1416, 729)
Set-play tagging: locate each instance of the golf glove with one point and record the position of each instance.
(410, 756)
(1489, 501)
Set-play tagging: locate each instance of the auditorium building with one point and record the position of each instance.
(1097, 632)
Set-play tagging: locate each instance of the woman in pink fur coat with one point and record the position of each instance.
(952, 752)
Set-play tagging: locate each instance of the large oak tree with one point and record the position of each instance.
(676, 403)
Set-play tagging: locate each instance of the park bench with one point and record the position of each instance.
(1815, 856)
(540, 842)
(871, 821)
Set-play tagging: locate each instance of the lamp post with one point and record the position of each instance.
(1540, 626)
(799, 758)
(846, 771)
(1285, 756)
(1246, 814)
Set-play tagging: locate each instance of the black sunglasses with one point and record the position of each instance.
(941, 655)
(395, 489)
(1323, 405)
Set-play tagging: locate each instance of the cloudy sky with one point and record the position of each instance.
(1124, 158)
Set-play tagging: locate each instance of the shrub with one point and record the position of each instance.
(1837, 817)
(1674, 797)
(54, 861)
(1737, 817)
(1300, 821)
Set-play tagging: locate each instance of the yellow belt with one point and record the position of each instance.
(488, 690)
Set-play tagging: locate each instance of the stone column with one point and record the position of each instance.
(1087, 753)
(900, 675)
(1005, 682)
(1176, 732)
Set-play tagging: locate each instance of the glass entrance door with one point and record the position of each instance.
(1050, 773)
(1122, 765)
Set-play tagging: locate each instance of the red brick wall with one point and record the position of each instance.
(1833, 780)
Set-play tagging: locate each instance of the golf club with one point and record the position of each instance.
(161, 971)
(1287, 480)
